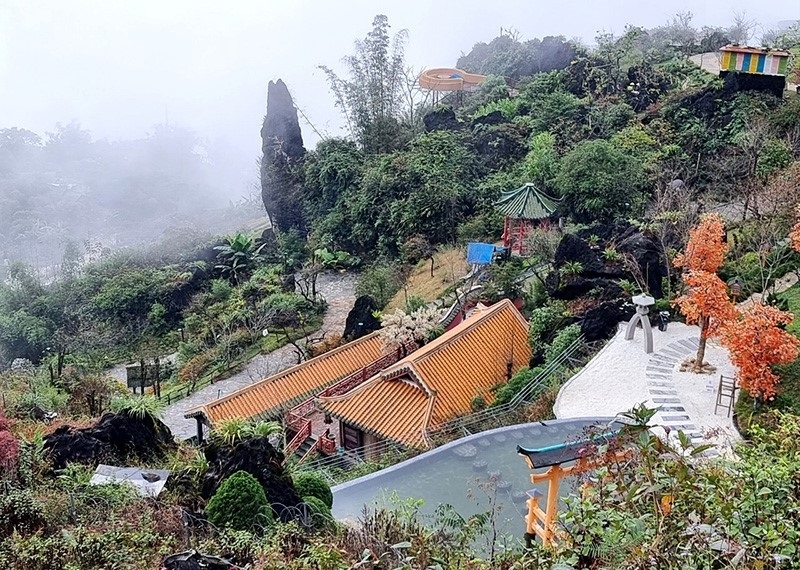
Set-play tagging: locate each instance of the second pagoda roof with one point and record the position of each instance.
(526, 202)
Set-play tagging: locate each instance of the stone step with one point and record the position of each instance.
(657, 384)
(689, 344)
(665, 360)
(657, 370)
(651, 376)
(671, 409)
(675, 418)
(661, 392)
(666, 400)
(673, 353)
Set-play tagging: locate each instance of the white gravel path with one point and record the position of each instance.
(622, 375)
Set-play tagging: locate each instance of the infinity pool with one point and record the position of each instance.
(464, 474)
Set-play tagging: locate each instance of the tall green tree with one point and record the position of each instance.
(600, 182)
(371, 98)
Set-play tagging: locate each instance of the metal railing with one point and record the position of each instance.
(344, 460)
(552, 368)
(303, 433)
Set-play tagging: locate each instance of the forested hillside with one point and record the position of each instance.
(667, 180)
(607, 129)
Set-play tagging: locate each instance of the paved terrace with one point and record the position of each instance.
(622, 375)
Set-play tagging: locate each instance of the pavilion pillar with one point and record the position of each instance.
(199, 420)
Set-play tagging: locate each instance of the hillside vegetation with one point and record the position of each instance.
(635, 143)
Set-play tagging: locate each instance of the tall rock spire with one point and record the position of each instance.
(282, 145)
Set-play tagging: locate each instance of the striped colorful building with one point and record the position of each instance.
(761, 61)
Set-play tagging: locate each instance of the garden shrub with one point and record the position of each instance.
(380, 282)
(544, 322)
(287, 307)
(20, 511)
(195, 367)
(327, 344)
(320, 512)
(507, 391)
(313, 485)
(9, 446)
(562, 340)
(240, 503)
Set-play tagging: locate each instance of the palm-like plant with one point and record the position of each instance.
(572, 268)
(230, 431)
(234, 430)
(139, 408)
(238, 257)
(264, 429)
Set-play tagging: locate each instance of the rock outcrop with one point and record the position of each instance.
(442, 119)
(282, 147)
(115, 438)
(641, 251)
(361, 319)
(595, 290)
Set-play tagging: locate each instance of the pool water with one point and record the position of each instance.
(466, 473)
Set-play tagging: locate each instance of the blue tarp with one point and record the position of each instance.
(480, 253)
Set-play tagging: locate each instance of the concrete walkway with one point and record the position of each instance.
(622, 375)
(338, 289)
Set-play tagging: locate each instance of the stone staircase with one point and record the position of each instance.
(671, 412)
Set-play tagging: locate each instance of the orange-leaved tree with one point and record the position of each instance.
(706, 300)
(756, 341)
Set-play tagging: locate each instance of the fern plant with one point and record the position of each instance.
(139, 407)
(234, 430)
(572, 268)
(230, 431)
(611, 255)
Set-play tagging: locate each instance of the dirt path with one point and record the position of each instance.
(337, 288)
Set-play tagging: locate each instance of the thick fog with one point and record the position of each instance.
(183, 83)
(120, 67)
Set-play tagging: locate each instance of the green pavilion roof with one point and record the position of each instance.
(526, 202)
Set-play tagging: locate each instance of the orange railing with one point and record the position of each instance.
(303, 427)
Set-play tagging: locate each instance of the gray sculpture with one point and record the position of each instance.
(642, 302)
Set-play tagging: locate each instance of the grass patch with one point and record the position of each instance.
(449, 265)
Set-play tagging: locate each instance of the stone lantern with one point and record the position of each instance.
(643, 303)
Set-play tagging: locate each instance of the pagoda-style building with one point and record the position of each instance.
(523, 209)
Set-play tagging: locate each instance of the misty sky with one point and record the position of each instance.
(120, 66)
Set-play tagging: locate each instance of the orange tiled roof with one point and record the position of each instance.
(270, 396)
(439, 381)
